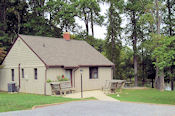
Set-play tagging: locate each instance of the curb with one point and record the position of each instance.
(148, 103)
(46, 105)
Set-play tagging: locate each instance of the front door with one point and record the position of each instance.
(69, 74)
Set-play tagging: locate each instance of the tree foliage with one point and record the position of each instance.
(113, 39)
(165, 52)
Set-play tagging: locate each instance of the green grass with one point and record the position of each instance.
(147, 96)
(21, 101)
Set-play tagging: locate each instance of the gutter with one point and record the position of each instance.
(74, 74)
(19, 74)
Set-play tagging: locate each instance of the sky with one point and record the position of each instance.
(100, 31)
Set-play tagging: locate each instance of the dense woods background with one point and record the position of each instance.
(150, 51)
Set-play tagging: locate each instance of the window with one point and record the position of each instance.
(35, 73)
(13, 75)
(93, 72)
(22, 70)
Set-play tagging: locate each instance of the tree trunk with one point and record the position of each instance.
(112, 33)
(87, 27)
(161, 88)
(158, 18)
(169, 6)
(143, 73)
(19, 22)
(159, 81)
(143, 66)
(172, 84)
(157, 78)
(134, 37)
(112, 36)
(86, 22)
(50, 20)
(172, 79)
(135, 71)
(92, 23)
(152, 82)
(3, 14)
(41, 5)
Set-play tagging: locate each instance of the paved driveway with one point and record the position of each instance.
(98, 108)
(98, 94)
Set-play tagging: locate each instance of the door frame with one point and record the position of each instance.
(70, 75)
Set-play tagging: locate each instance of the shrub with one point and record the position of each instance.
(48, 81)
(62, 78)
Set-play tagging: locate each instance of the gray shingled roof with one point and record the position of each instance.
(59, 52)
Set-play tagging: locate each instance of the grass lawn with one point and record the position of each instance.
(147, 96)
(21, 101)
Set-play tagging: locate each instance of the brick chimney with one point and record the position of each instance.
(66, 35)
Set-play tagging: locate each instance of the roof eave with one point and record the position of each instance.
(67, 67)
(110, 65)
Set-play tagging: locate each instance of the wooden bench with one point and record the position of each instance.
(128, 84)
(61, 88)
(66, 87)
(121, 85)
(107, 87)
(112, 85)
(55, 88)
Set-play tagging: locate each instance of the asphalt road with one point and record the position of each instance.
(98, 108)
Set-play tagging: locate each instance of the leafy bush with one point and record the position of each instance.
(48, 81)
(59, 78)
(62, 78)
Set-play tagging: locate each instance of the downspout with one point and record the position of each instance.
(45, 83)
(19, 76)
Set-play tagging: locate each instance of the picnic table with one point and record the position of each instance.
(128, 84)
(61, 87)
(112, 85)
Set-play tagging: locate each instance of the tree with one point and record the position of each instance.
(126, 63)
(10, 24)
(95, 16)
(2, 54)
(168, 20)
(98, 44)
(165, 53)
(16, 12)
(62, 13)
(153, 18)
(34, 23)
(89, 11)
(159, 81)
(169, 17)
(3, 7)
(40, 26)
(36, 7)
(3, 23)
(133, 9)
(113, 39)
